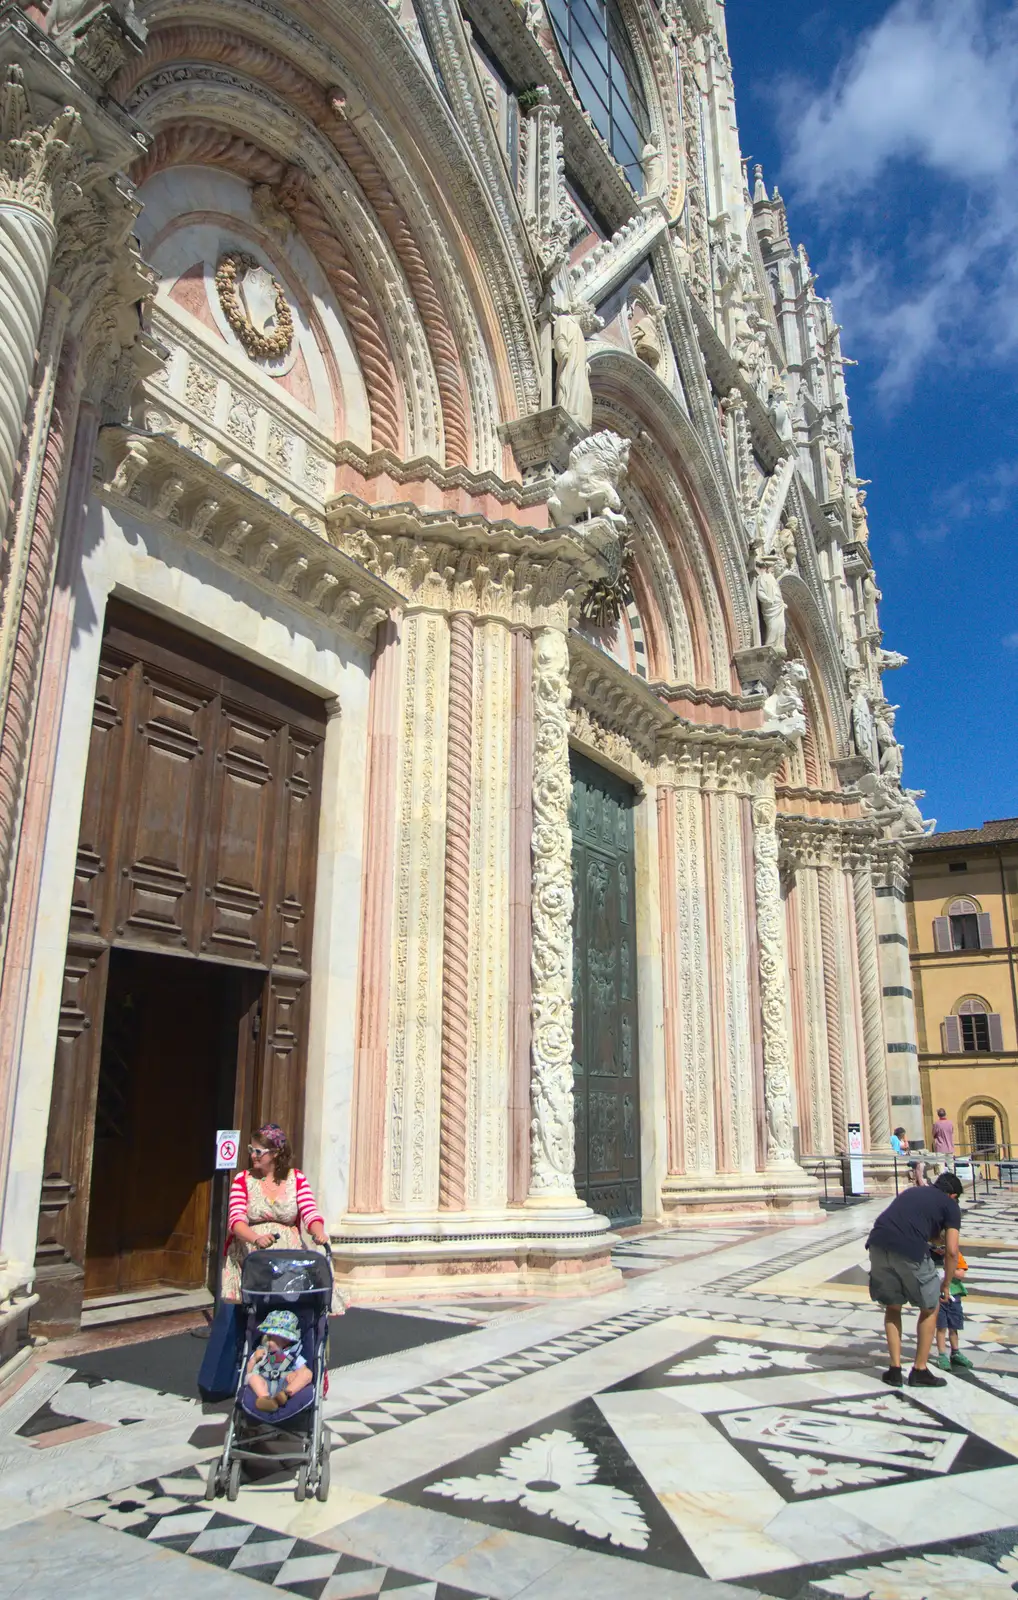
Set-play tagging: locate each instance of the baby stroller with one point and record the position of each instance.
(281, 1280)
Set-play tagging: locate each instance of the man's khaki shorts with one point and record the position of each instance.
(896, 1281)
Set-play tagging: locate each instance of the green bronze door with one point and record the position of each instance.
(605, 1049)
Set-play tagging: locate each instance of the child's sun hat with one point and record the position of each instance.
(282, 1324)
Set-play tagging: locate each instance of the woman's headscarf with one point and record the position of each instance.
(272, 1135)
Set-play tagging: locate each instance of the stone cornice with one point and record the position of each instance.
(449, 560)
(157, 480)
(629, 710)
(825, 841)
(366, 468)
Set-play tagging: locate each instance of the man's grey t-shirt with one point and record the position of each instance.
(912, 1220)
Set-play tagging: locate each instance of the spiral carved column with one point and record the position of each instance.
(456, 918)
(552, 1134)
(872, 1011)
(27, 240)
(773, 987)
(832, 1005)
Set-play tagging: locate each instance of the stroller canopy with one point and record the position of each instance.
(293, 1277)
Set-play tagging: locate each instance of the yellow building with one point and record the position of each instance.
(962, 912)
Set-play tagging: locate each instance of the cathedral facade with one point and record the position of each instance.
(440, 662)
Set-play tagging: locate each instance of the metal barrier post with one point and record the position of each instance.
(896, 1190)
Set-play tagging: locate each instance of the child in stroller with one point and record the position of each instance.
(277, 1371)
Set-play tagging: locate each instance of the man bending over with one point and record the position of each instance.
(902, 1270)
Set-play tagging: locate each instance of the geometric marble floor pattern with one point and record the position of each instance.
(172, 1512)
(714, 1429)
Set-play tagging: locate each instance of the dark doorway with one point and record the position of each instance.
(172, 1029)
(606, 1084)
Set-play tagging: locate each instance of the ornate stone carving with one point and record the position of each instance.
(773, 1003)
(547, 209)
(588, 488)
(783, 709)
(255, 306)
(551, 1155)
(452, 1160)
(40, 160)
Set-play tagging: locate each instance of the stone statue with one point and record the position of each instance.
(860, 521)
(646, 341)
(574, 319)
(871, 597)
(652, 162)
(769, 598)
(863, 732)
(783, 709)
(777, 405)
(890, 751)
(835, 470)
(589, 485)
(786, 543)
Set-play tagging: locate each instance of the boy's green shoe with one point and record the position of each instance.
(959, 1360)
(944, 1362)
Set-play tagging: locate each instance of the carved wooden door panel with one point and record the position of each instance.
(197, 839)
(605, 1045)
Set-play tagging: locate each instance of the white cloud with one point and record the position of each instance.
(924, 107)
(934, 80)
(1010, 641)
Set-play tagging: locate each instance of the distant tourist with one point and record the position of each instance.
(902, 1271)
(917, 1174)
(943, 1134)
(899, 1142)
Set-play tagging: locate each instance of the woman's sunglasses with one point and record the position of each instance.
(256, 1150)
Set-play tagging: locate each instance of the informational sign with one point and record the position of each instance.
(855, 1158)
(227, 1148)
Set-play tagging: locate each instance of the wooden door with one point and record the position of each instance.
(605, 1046)
(198, 836)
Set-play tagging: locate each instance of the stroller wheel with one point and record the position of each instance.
(233, 1481)
(301, 1488)
(212, 1481)
(322, 1489)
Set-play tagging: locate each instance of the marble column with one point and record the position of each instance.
(452, 1160)
(490, 957)
(872, 1010)
(415, 1032)
(552, 1151)
(774, 1017)
(694, 1044)
(890, 875)
(832, 1007)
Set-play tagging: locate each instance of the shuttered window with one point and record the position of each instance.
(972, 1028)
(964, 927)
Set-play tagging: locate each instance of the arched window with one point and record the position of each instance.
(963, 927)
(972, 1027)
(602, 64)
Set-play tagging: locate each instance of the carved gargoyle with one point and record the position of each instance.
(589, 485)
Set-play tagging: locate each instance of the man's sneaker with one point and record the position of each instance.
(893, 1377)
(923, 1378)
(944, 1362)
(959, 1360)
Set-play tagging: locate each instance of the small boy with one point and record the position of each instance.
(277, 1369)
(950, 1316)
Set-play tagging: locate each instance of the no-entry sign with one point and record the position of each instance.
(227, 1146)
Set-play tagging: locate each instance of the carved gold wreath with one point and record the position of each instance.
(261, 346)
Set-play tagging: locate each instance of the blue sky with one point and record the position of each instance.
(892, 132)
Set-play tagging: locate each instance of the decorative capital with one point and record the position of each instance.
(40, 162)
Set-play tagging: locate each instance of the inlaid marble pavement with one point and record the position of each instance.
(715, 1426)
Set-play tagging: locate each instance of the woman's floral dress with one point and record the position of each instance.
(279, 1215)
